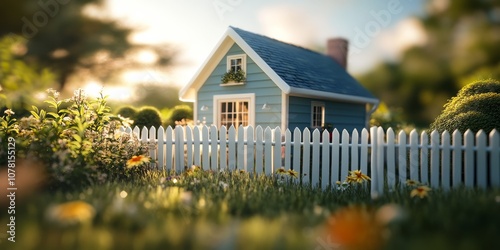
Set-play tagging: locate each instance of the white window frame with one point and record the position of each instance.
(322, 106)
(218, 99)
(243, 58)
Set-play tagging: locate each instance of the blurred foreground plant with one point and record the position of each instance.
(78, 139)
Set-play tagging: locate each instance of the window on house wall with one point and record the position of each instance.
(317, 114)
(234, 110)
(236, 62)
(234, 113)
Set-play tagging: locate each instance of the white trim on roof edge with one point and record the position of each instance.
(331, 96)
(188, 92)
(258, 60)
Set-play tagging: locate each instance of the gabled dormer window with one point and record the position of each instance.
(236, 67)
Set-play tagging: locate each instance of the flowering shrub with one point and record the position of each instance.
(78, 139)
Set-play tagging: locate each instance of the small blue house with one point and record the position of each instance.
(285, 85)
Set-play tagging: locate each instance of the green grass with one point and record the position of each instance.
(233, 210)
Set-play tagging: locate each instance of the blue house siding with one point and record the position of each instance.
(341, 115)
(257, 82)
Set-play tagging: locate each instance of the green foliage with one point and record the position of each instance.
(475, 107)
(156, 95)
(78, 140)
(179, 113)
(127, 111)
(20, 82)
(63, 36)
(480, 87)
(205, 209)
(147, 117)
(460, 45)
(236, 76)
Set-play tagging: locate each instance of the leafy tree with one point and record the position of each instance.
(61, 35)
(19, 81)
(462, 45)
(147, 117)
(475, 107)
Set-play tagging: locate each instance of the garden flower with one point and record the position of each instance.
(357, 176)
(411, 182)
(356, 228)
(293, 173)
(137, 160)
(54, 92)
(281, 170)
(79, 96)
(420, 191)
(71, 212)
(126, 122)
(9, 112)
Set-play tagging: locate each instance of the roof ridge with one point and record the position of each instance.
(287, 43)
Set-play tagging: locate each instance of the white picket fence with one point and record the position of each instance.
(322, 158)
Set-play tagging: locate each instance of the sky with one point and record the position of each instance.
(377, 30)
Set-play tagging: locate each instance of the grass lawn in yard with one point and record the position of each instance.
(236, 210)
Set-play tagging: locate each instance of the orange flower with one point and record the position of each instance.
(356, 228)
(71, 212)
(137, 160)
(421, 191)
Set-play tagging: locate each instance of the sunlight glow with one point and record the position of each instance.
(119, 93)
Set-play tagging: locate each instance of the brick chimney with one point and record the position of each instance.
(337, 49)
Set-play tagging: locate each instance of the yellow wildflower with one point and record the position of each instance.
(293, 173)
(137, 160)
(421, 191)
(281, 170)
(411, 182)
(71, 212)
(357, 176)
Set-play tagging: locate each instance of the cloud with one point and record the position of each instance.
(290, 23)
(405, 34)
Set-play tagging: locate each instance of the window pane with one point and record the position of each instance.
(236, 64)
(234, 113)
(317, 116)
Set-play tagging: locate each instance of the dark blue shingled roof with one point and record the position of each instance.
(303, 68)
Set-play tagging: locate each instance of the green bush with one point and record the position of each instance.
(475, 107)
(147, 117)
(78, 140)
(179, 113)
(127, 112)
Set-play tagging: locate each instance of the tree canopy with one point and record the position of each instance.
(462, 46)
(60, 35)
